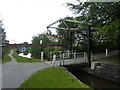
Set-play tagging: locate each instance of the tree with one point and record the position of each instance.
(35, 51)
(66, 37)
(102, 15)
(48, 39)
(98, 13)
(109, 34)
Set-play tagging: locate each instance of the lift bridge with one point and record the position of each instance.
(82, 30)
(66, 58)
(69, 57)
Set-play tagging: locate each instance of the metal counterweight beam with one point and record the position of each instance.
(66, 20)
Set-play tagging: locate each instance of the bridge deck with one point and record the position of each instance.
(68, 62)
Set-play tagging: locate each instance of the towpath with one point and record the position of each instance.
(15, 73)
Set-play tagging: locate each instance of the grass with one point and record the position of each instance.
(6, 57)
(24, 59)
(112, 60)
(52, 77)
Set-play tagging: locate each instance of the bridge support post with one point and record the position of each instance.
(91, 57)
(89, 46)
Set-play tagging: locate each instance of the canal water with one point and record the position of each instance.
(94, 82)
(28, 55)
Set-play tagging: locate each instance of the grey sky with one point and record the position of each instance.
(25, 18)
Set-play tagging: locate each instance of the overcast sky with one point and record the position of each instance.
(25, 18)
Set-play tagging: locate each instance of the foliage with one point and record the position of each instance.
(109, 34)
(105, 17)
(63, 35)
(52, 77)
(35, 51)
(24, 59)
(98, 13)
(48, 39)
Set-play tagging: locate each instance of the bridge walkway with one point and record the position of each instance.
(68, 62)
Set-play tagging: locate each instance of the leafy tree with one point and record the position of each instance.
(35, 51)
(104, 16)
(65, 36)
(98, 13)
(109, 34)
(48, 39)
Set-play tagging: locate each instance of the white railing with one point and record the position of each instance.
(63, 57)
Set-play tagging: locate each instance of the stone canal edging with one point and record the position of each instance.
(108, 71)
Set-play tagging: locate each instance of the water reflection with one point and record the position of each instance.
(93, 81)
(23, 55)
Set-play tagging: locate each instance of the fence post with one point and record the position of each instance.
(63, 58)
(41, 56)
(54, 59)
(106, 53)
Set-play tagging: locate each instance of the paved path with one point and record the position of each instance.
(0, 76)
(15, 73)
(102, 55)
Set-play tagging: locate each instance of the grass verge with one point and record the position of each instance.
(53, 77)
(24, 59)
(6, 57)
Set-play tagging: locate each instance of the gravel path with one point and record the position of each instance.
(15, 73)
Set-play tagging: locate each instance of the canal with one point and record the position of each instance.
(28, 55)
(93, 81)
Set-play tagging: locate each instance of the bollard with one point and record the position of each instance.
(54, 59)
(106, 53)
(41, 56)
